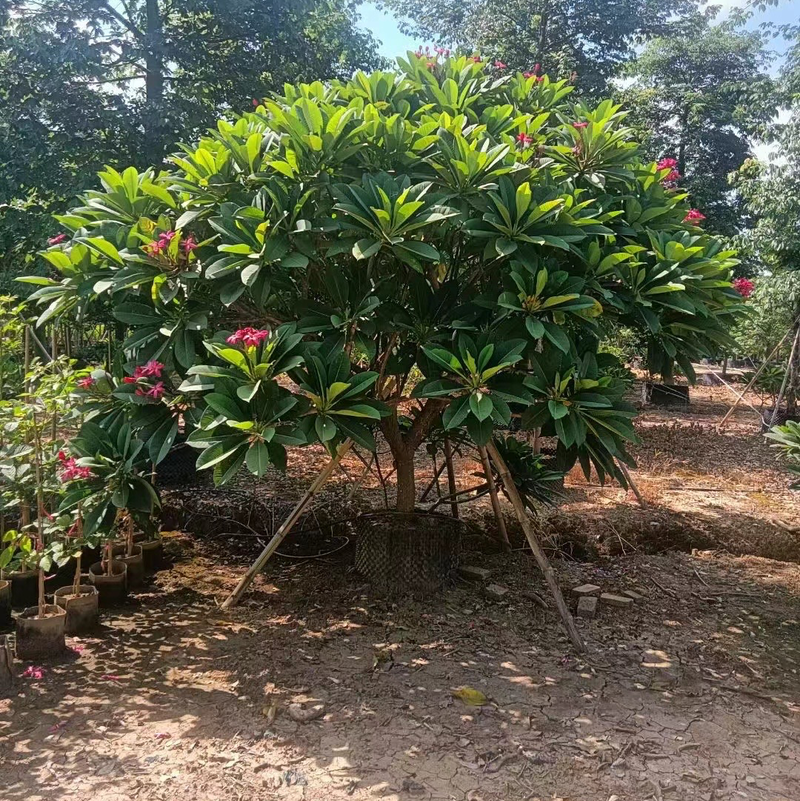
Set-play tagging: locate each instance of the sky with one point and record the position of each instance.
(383, 25)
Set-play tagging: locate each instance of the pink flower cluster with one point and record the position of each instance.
(33, 672)
(673, 175)
(156, 391)
(160, 246)
(86, 382)
(57, 239)
(249, 337)
(694, 216)
(151, 369)
(71, 470)
(744, 286)
(499, 65)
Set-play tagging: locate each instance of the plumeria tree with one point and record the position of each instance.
(410, 251)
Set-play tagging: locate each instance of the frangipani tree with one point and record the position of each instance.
(432, 247)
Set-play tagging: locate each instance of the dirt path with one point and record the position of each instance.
(690, 695)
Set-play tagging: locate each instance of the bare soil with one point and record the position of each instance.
(690, 693)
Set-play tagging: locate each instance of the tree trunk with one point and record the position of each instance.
(406, 485)
(154, 80)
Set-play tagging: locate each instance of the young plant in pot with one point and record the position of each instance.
(114, 490)
(80, 599)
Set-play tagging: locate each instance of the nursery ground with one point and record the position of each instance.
(690, 694)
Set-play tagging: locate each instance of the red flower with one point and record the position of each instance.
(255, 103)
(85, 383)
(128, 380)
(152, 368)
(476, 59)
(57, 239)
(71, 470)
(249, 337)
(524, 139)
(33, 672)
(694, 216)
(579, 125)
(744, 286)
(499, 65)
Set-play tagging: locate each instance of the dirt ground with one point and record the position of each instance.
(690, 693)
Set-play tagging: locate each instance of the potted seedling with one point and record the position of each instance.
(18, 563)
(114, 492)
(79, 599)
(40, 628)
(130, 552)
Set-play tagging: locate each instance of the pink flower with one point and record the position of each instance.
(476, 59)
(579, 125)
(156, 391)
(430, 65)
(499, 65)
(744, 286)
(189, 244)
(524, 139)
(673, 174)
(33, 672)
(152, 368)
(694, 216)
(249, 337)
(57, 239)
(85, 383)
(255, 103)
(71, 470)
(159, 246)
(128, 380)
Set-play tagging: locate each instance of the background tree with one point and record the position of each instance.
(772, 194)
(95, 82)
(699, 97)
(592, 38)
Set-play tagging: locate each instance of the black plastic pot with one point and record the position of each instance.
(82, 609)
(5, 603)
(24, 588)
(665, 395)
(111, 589)
(152, 554)
(40, 637)
(135, 563)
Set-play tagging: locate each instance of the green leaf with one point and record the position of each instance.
(226, 406)
(257, 459)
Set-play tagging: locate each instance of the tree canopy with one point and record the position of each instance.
(429, 248)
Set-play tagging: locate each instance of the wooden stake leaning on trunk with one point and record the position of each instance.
(286, 527)
(451, 476)
(538, 553)
(632, 484)
(498, 512)
(786, 377)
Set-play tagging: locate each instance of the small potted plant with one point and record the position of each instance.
(130, 552)
(79, 599)
(114, 491)
(18, 569)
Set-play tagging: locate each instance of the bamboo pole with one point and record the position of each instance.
(286, 527)
(451, 476)
(538, 553)
(785, 381)
(754, 379)
(498, 512)
(632, 484)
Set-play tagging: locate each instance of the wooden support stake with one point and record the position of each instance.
(498, 512)
(538, 553)
(286, 527)
(451, 476)
(754, 379)
(786, 377)
(6, 663)
(632, 484)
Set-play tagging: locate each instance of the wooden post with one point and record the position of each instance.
(498, 512)
(632, 484)
(538, 553)
(6, 663)
(451, 476)
(286, 527)
(753, 379)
